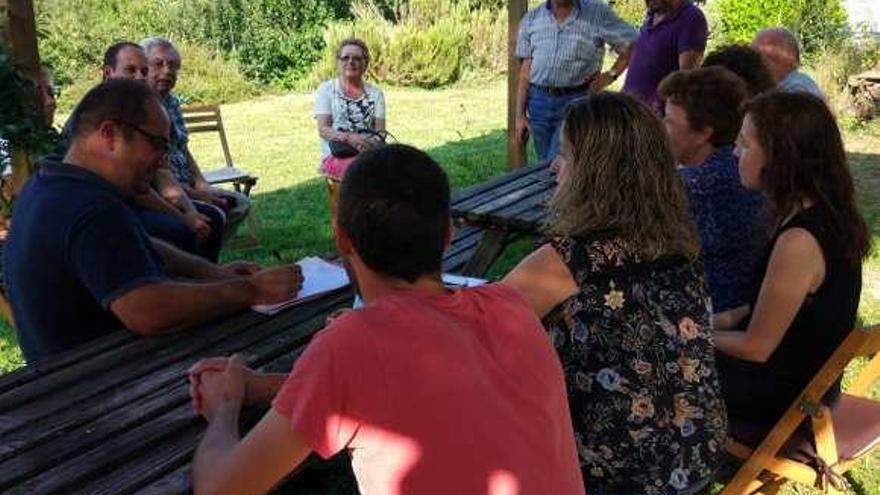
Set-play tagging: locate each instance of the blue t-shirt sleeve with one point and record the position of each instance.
(110, 253)
(694, 32)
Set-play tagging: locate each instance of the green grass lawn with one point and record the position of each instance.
(463, 129)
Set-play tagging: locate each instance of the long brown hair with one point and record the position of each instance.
(620, 175)
(806, 162)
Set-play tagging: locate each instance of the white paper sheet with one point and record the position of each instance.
(461, 281)
(319, 277)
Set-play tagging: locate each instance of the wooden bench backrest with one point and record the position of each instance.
(207, 118)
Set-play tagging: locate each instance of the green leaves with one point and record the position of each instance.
(21, 122)
(819, 24)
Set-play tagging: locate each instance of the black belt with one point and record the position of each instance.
(563, 91)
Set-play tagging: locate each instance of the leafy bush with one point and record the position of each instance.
(819, 24)
(429, 45)
(276, 41)
(487, 47)
(284, 43)
(632, 11)
(426, 57)
(21, 121)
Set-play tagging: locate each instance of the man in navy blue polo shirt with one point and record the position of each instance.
(78, 261)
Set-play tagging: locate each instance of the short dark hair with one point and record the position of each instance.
(112, 53)
(745, 62)
(394, 205)
(121, 100)
(711, 97)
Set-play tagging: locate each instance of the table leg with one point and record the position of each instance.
(487, 251)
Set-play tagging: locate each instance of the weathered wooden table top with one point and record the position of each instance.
(514, 201)
(114, 416)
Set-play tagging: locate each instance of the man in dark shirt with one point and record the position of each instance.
(79, 263)
(673, 37)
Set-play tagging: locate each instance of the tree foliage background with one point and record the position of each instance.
(239, 48)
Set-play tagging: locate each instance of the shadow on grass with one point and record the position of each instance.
(295, 221)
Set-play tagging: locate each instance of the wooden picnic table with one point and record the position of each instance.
(113, 416)
(503, 208)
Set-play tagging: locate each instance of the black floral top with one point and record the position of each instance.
(639, 361)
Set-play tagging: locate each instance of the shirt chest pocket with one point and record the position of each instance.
(579, 46)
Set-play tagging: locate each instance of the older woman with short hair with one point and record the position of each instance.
(621, 290)
(702, 119)
(348, 109)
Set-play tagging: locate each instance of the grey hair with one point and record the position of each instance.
(158, 42)
(784, 38)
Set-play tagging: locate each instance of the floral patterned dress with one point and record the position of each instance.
(639, 361)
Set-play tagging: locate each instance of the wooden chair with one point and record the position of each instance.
(207, 118)
(840, 435)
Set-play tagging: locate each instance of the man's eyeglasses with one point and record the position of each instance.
(351, 58)
(159, 143)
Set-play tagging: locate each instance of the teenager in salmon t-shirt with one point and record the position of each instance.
(431, 390)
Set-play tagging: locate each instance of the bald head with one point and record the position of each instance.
(780, 50)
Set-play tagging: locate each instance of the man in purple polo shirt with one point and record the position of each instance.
(673, 37)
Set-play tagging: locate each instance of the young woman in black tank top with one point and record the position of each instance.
(806, 290)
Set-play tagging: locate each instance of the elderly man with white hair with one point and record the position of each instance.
(781, 52)
(163, 64)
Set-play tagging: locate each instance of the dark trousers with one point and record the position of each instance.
(174, 231)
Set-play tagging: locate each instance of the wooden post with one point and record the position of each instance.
(516, 153)
(18, 33)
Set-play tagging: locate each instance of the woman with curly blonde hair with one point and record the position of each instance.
(620, 287)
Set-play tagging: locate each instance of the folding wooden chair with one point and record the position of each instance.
(207, 118)
(840, 435)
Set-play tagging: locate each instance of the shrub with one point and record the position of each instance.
(206, 77)
(275, 41)
(430, 45)
(819, 24)
(426, 57)
(632, 11)
(487, 46)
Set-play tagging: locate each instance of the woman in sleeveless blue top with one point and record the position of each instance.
(807, 286)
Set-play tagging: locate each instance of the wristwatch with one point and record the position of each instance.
(613, 74)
